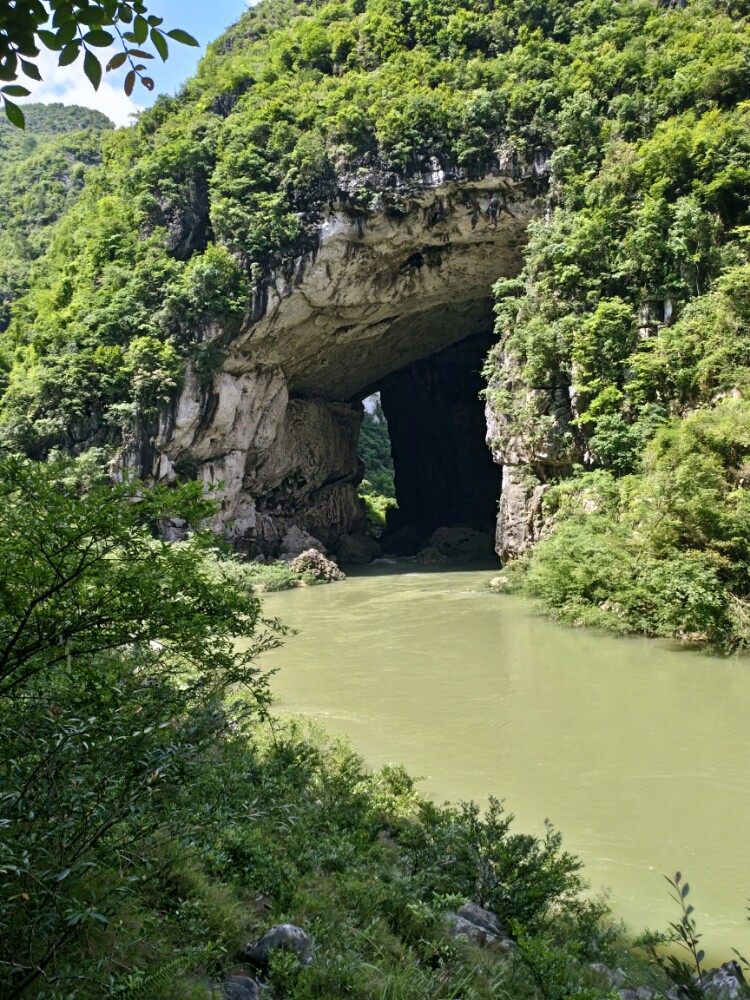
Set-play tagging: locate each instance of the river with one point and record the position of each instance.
(637, 751)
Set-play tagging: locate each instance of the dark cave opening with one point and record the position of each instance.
(444, 473)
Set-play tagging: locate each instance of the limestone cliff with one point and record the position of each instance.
(386, 287)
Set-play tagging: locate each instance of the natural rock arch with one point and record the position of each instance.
(386, 289)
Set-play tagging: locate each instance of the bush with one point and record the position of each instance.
(116, 654)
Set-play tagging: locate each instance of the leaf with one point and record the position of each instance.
(160, 44)
(129, 82)
(69, 54)
(183, 37)
(101, 39)
(140, 54)
(93, 69)
(147, 82)
(49, 39)
(63, 14)
(14, 90)
(31, 69)
(14, 114)
(92, 15)
(61, 876)
(140, 29)
(116, 61)
(685, 889)
(67, 32)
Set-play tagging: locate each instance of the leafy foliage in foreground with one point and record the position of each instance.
(116, 652)
(153, 817)
(78, 30)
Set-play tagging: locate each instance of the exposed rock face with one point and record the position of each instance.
(240, 988)
(282, 937)
(478, 925)
(401, 280)
(520, 519)
(315, 564)
(531, 435)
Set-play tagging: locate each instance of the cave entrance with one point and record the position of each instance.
(444, 475)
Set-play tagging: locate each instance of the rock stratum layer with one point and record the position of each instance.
(278, 425)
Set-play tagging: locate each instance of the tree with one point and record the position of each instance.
(76, 28)
(117, 652)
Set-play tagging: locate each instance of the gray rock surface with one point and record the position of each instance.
(520, 521)
(284, 937)
(531, 434)
(296, 541)
(640, 993)
(240, 988)
(478, 925)
(316, 564)
(727, 982)
(357, 550)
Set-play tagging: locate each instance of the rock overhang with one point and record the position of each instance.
(389, 286)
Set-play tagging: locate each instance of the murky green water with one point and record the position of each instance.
(636, 751)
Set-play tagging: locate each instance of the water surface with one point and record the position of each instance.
(637, 751)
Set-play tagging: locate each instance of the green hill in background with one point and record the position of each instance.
(42, 171)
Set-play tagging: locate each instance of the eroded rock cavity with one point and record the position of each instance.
(387, 288)
(445, 475)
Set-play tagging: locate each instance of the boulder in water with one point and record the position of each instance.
(313, 561)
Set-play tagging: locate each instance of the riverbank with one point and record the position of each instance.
(635, 748)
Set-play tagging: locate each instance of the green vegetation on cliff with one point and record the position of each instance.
(42, 172)
(631, 310)
(631, 315)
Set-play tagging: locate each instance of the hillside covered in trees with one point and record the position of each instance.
(41, 174)
(155, 818)
(630, 309)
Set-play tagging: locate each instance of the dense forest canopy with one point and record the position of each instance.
(42, 172)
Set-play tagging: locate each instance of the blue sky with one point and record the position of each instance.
(204, 19)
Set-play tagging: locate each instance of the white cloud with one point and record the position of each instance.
(68, 85)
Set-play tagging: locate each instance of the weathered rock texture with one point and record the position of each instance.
(281, 937)
(531, 435)
(389, 285)
(478, 925)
